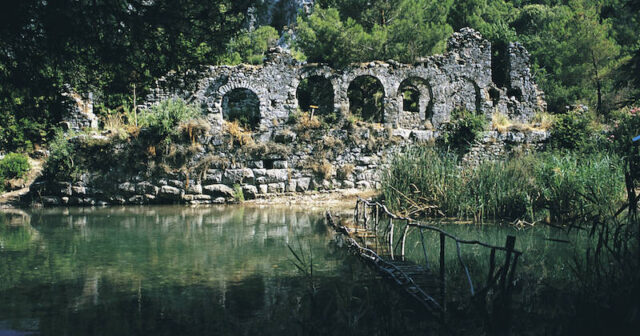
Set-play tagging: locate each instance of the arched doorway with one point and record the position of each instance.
(242, 105)
(366, 99)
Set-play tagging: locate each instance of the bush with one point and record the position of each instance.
(14, 165)
(571, 130)
(463, 129)
(60, 163)
(163, 119)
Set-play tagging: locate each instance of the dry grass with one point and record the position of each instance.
(323, 169)
(542, 121)
(194, 128)
(238, 134)
(345, 171)
(305, 121)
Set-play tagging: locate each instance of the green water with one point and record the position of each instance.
(200, 271)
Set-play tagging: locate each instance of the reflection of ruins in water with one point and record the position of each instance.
(233, 255)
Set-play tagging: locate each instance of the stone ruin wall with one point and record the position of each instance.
(461, 78)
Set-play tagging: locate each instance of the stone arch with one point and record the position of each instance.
(367, 97)
(421, 86)
(232, 86)
(242, 105)
(316, 90)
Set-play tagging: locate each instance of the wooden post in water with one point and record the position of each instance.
(391, 237)
(443, 286)
(502, 305)
(404, 238)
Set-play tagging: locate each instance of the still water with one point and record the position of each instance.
(189, 271)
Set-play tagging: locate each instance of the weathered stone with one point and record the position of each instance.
(146, 188)
(302, 184)
(176, 184)
(291, 186)
(271, 175)
(194, 188)
(263, 188)
(127, 187)
(348, 184)
(50, 200)
(249, 191)
(78, 190)
(218, 190)
(219, 200)
(285, 137)
(459, 79)
(64, 188)
(238, 176)
(136, 199)
(214, 176)
(275, 188)
(170, 192)
(256, 164)
(363, 185)
(280, 164)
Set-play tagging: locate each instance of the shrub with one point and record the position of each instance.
(60, 163)
(571, 131)
(463, 129)
(14, 165)
(163, 118)
(238, 195)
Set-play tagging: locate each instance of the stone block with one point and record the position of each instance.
(218, 190)
(213, 176)
(303, 183)
(249, 191)
(170, 192)
(238, 176)
(146, 188)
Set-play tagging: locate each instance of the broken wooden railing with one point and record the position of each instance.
(380, 237)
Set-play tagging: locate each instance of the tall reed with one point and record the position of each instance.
(560, 185)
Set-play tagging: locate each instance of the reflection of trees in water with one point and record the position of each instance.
(168, 244)
(191, 271)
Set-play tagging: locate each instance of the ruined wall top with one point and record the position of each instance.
(460, 78)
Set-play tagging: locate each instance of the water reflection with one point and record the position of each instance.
(178, 270)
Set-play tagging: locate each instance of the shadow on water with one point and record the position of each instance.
(187, 271)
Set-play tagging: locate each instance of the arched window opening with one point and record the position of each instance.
(410, 99)
(243, 106)
(416, 96)
(366, 99)
(315, 94)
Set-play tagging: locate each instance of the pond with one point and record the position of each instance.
(228, 270)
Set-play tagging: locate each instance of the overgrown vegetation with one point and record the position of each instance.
(556, 186)
(14, 165)
(463, 129)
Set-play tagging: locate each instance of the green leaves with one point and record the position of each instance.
(401, 30)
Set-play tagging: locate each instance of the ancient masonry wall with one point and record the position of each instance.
(285, 161)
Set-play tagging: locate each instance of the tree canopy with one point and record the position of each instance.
(583, 51)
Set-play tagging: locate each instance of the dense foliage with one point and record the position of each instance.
(108, 48)
(13, 165)
(583, 51)
(559, 186)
